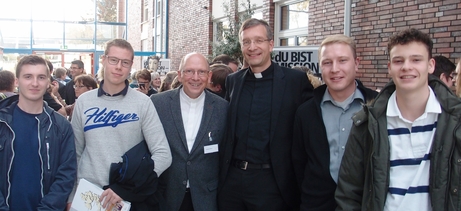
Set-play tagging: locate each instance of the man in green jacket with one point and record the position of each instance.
(401, 153)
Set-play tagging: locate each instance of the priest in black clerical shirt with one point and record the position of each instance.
(256, 170)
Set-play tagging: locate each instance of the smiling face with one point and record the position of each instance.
(193, 82)
(75, 70)
(409, 66)
(339, 68)
(32, 82)
(156, 82)
(258, 56)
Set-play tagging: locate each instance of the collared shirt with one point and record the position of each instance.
(254, 118)
(410, 145)
(337, 117)
(191, 111)
(102, 92)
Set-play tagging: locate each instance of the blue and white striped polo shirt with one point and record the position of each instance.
(410, 146)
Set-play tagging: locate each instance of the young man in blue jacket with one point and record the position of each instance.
(37, 151)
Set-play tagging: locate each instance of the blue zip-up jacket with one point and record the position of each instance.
(57, 156)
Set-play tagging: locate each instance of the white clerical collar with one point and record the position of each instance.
(258, 75)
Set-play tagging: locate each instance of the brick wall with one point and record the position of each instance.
(189, 29)
(374, 21)
(325, 18)
(134, 29)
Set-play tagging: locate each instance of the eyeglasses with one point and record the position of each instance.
(78, 87)
(453, 76)
(247, 43)
(200, 73)
(114, 61)
(75, 68)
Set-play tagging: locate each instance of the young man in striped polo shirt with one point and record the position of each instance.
(401, 153)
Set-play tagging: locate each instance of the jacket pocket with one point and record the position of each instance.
(2, 143)
(212, 186)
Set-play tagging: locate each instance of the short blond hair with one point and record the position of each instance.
(339, 38)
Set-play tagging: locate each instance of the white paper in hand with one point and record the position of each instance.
(87, 199)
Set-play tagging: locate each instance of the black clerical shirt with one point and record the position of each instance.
(254, 118)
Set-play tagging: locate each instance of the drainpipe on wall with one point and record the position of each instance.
(347, 18)
(166, 29)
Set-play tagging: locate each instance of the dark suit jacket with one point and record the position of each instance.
(134, 179)
(67, 92)
(311, 153)
(201, 169)
(290, 89)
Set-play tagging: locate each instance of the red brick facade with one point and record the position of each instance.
(134, 29)
(189, 29)
(372, 22)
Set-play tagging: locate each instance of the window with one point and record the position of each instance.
(145, 11)
(146, 17)
(220, 26)
(294, 41)
(292, 29)
(159, 7)
(294, 16)
(144, 47)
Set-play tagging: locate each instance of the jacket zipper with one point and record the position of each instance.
(48, 155)
(11, 164)
(448, 192)
(40, 156)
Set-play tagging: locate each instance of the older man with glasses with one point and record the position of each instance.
(194, 120)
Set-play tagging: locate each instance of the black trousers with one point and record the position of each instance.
(250, 190)
(187, 202)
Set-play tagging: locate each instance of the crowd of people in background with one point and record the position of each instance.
(235, 135)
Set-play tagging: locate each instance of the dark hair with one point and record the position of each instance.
(6, 80)
(86, 80)
(220, 72)
(50, 65)
(166, 82)
(410, 35)
(79, 63)
(144, 74)
(31, 60)
(252, 22)
(443, 65)
(224, 59)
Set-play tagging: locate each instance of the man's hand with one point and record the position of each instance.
(143, 89)
(109, 197)
(55, 87)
